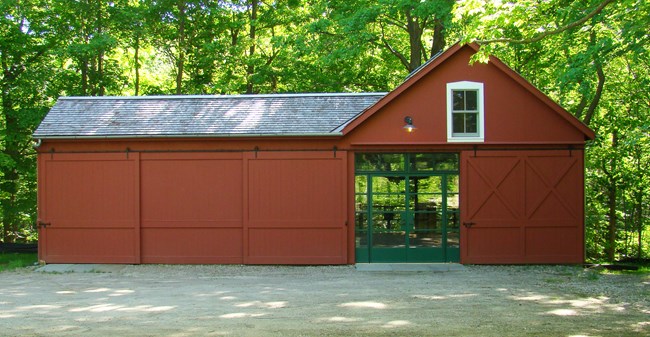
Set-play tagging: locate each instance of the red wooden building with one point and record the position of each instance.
(461, 163)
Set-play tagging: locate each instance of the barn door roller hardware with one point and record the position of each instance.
(469, 224)
(334, 149)
(42, 224)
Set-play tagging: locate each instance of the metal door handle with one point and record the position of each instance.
(42, 224)
(468, 224)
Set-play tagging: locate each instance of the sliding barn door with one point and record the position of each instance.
(522, 207)
(88, 208)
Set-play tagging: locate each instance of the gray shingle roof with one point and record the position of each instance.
(203, 116)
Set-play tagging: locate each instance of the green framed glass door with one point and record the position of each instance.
(407, 211)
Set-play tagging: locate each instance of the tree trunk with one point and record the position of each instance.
(101, 90)
(415, 42)
(9, 182)
(250, 70)
(180, 61)
(84, 76)
(599, 87)
(639, 221)
(638, 203)
(612, 192)
(136, 57)
(438, 43)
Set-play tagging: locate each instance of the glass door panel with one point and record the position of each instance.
(452, 211)
(361, 209)
(407, 213)
(426, 203)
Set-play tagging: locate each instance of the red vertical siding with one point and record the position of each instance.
(89, 201)
(191, 208)
(273, 207)
(297, 208)
(525, 207)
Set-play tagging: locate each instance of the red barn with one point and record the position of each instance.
(461, 163)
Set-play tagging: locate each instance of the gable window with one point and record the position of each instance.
(465, 120)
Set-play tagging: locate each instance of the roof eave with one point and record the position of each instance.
(154, 136)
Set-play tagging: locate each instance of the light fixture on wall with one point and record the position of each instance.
(409, 127)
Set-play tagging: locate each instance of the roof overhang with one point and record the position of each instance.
(226, 135)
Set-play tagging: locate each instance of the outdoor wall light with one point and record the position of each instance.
(409, 127)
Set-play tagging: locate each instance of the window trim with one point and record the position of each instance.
(466, 85)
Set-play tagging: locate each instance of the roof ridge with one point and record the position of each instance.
(242, 96)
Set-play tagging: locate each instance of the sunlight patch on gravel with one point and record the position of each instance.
(241, 315)
(267, 305)
(367, 304)
(563, 312)
(395, 324)
(98, 290)
(529, 298)
(339, 319)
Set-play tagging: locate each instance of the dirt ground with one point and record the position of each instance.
(154, 300)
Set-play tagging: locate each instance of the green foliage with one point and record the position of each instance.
(11, 261)
(591, 56)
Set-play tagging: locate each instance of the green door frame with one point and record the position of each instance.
(403, 238)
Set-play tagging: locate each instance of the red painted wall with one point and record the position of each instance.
(513, 115)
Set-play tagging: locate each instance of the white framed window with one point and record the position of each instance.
(465, 112)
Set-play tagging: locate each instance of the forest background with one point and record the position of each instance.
(590, 56)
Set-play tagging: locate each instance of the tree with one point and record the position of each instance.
(399, 26)
(590, 57)
(26, 37)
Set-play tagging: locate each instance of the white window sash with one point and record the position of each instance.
(477, 137)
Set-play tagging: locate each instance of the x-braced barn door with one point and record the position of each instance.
(522, 207)
(407, 208)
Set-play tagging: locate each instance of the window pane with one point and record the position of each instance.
(361, 202)
(388, 184)
(431, 184)
(387, 222)
(471, 102)
(361, 184)
(392, 202)
(453, 221)
(453, 240)
(425, 202)
(452, 184)
(361, 239)
(459, 99)
(471, 123)
(452, 201)
(385, 162)
(458, 123)
(434, 162)
(389, 240)
(361, 221)
(426, 221)
(430, 239)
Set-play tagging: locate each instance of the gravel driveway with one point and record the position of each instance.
(155, 300)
